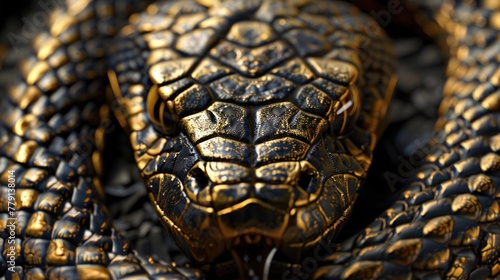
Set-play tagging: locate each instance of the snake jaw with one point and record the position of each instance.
(252, 259)
(212, 231)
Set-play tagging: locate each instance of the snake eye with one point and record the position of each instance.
(161, 112)
(347, 112)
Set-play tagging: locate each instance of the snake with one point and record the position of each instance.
(253, 125)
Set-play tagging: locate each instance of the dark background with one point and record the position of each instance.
(12, 10)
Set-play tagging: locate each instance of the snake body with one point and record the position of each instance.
(253, 125)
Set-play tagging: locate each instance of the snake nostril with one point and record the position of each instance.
(199, 178)
(304, 181)
(307, 179)
(196, 180)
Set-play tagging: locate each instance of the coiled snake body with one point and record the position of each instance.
(253, 125)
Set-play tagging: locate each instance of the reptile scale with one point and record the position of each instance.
(253, 125)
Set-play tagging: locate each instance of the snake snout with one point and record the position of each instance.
(282, 184)
(300, 178)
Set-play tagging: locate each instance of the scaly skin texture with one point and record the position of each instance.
(49, 122)
(445, 224)
(253, 125)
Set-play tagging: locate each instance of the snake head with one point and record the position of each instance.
(256, 131)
